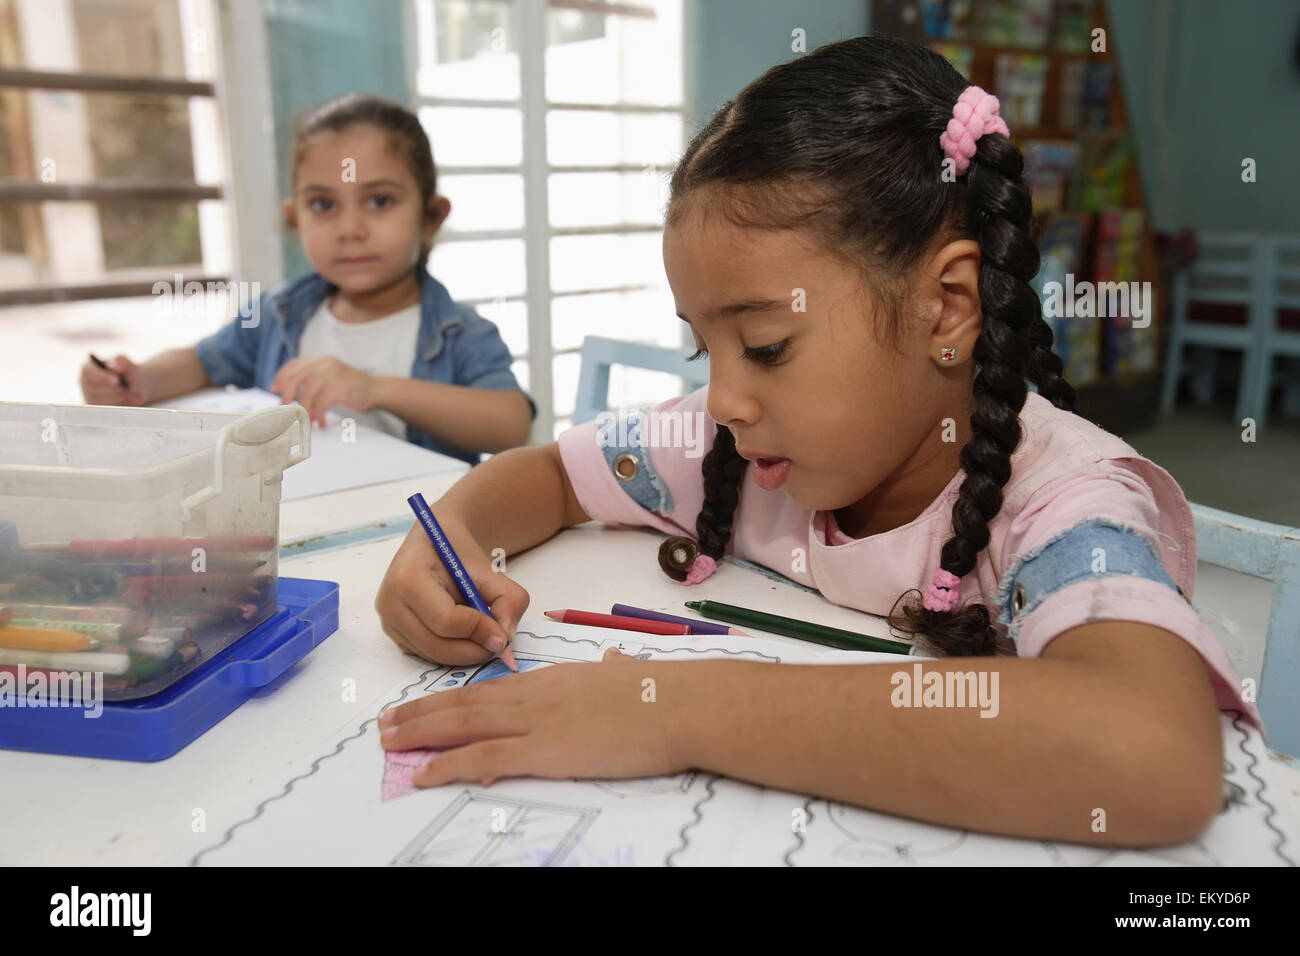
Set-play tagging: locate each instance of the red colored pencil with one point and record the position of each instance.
(592, 619)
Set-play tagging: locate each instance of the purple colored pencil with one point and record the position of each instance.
(697, 626)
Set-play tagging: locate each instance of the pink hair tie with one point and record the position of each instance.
(941, 595)
(974, 114)
(701, 568)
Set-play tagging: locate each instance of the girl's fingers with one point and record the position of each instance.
(453, 727)
(485, 761)
(435, 643)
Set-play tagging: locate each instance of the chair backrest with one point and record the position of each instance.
(1228, 270)
(598, 354)
(1272, 552)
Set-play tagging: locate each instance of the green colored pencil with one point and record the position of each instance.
(792, 627)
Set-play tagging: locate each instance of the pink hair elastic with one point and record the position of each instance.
(974, 114)
(941, 595)
(701, 568)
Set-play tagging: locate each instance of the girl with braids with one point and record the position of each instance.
(849, 242)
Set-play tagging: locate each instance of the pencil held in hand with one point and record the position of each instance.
(451, 561)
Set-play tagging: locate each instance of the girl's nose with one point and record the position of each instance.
(730, 403)
(354, 223)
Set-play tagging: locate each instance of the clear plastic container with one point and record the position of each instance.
(138, 542)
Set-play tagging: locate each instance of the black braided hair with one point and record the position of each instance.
(845, 142)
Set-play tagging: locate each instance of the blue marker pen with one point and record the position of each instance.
(451, 561)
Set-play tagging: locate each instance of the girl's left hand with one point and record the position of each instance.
(320, 382)
(564, 721)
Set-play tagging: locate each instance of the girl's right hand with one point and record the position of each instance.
(101, 387)
(423, 612)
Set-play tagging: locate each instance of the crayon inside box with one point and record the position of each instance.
(137, 543)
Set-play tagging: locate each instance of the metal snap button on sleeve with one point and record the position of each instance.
(627, 466)
(1018, 599)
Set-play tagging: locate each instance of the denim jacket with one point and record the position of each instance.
(456, 345)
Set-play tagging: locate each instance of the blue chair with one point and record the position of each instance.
(1272, 552)
(1260, 273)
(1230, 270)
(598, 354)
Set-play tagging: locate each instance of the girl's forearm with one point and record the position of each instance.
(513, 500)
(1065, 748)
(477, 419)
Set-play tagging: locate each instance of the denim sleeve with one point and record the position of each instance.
(481, 357)
(622, 441)
(230, 354)
(1092, 548)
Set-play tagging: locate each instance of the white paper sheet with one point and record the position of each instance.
(373, 457)
(329, 810)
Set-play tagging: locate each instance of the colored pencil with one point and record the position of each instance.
(793, 627)
(43, 639)
(592, 619)
(696, 626)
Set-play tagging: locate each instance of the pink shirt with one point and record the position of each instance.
(1065, 469)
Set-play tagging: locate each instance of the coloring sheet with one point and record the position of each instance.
(349, 805)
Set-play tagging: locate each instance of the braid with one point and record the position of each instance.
(1012, 334)
(723, 470)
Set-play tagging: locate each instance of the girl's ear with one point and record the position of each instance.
(953, 286)
(437, 213)
(290, 215)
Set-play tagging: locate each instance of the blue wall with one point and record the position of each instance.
(1225, 87)
(734, 41)
(320, 49)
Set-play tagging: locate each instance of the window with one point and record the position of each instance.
(111, 164)
(555, 127)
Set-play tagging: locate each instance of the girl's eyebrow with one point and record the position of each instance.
(743, 308)
(375, 184)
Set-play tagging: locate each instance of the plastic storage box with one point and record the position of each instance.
(137, 543)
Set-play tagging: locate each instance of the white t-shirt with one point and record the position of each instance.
(379, 347)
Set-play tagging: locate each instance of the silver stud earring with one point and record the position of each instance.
(947, 354)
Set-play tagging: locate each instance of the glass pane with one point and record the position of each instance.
(608, 58)
(602, 261)
(470, 136)
(608, 199)
(139, 233)
(118, 37)
(467, 48)
(484, 202)
(520, 368)
(564, 385)
(480, 269)
(591, 138)
(511, 320)
(647, 317)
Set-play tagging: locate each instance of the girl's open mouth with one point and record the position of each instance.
(770, 473)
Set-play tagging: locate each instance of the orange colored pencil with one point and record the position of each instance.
(44, 639)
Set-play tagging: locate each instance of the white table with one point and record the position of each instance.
(77, 811)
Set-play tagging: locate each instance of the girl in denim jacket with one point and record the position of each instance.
(370, 333)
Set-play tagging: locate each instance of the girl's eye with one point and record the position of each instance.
(382, 202)
(768, 354)
(320, 204)
(697, 354)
